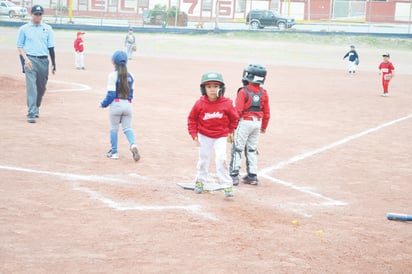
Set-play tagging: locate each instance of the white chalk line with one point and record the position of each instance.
(79, 87)
(329, 201)
(65, 176)
(305, 155)
(194, 209)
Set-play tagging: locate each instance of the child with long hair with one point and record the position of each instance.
(120, 86)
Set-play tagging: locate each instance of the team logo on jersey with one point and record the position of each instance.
(255, 98)
(213, 115)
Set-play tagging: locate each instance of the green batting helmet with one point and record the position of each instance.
(212, 77)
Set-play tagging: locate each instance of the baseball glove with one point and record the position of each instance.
(387, 77)
(357, 61)
(230, 138)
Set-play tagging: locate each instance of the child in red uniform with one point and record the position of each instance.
(212, 118)
(252, 104)
(79, 50)
(386, 69)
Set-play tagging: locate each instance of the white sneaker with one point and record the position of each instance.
(112, 155)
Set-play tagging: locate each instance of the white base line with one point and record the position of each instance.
(305, 155)
(264, 172)
(81, 87)
(329, 201)
(194, 209)
(66, 176)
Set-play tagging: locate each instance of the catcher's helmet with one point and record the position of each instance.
(212, 77)
(255, 74)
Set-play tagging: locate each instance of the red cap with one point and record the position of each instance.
(80, 32)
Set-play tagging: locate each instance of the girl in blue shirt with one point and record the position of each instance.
(119, 97)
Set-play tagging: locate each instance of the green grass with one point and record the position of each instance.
(325, 39)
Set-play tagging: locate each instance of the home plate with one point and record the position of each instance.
(206, 187)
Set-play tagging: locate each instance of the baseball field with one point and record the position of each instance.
(336, 158)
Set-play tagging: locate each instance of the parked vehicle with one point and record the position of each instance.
(12, 10)
(258, 19)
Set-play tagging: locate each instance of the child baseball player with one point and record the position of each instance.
(387, 70)
(79, 50)
(353, 59)
(130, 43)
(252, 105)
(210, 121)
(120, 86)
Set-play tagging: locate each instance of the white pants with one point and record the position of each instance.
(79, 60)
(207, 145)
(246, 138)
(352, 66)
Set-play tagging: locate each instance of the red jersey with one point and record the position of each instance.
(78, 45)
(242, 106)
(386, 68)
(212, 119)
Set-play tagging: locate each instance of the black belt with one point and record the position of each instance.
(40, 57)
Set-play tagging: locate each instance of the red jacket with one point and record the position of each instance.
(213, 119)
(78, 45)
(242, 106)
(386, 68)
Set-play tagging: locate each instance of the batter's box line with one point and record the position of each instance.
(123, 206)
(193, 209)
(303, 156)
(306, 190)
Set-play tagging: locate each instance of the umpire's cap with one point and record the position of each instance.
(37, 9)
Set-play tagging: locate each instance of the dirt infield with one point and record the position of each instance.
(336, 158)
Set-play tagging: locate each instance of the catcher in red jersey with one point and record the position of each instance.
(211, 120)
(387, 70)
(252, 104)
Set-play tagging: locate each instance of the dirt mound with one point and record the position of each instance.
(10, 83)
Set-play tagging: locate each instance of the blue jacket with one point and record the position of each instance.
(353, 55)
(112, 89)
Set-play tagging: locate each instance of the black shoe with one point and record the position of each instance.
(31, 119)
(235, 179)
(250, 180)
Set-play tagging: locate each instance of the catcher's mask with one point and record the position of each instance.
(212, 77)
(255, 74)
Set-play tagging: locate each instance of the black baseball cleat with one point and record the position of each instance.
(235, 179)
(250, 180)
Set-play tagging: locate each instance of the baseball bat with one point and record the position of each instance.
(399, 217)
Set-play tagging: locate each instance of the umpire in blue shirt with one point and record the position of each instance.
(35, 42)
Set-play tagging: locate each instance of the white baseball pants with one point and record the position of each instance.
(207, 145)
